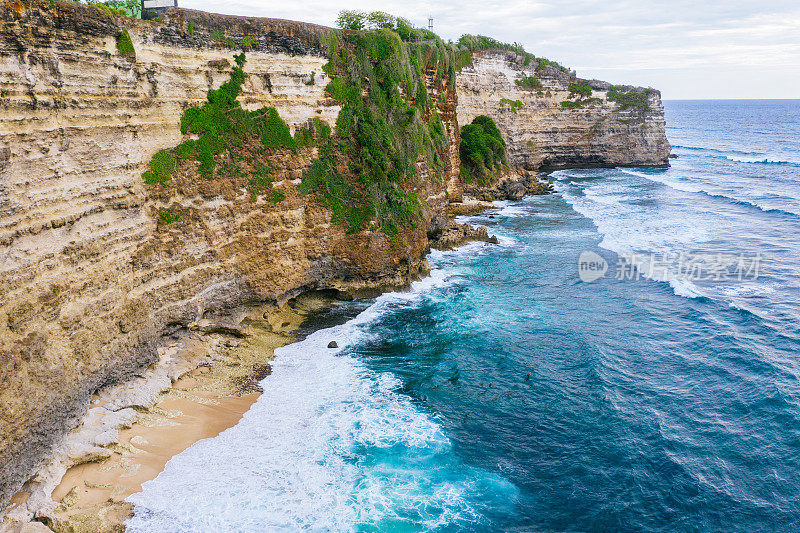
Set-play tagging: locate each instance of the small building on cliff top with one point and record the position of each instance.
(154, 8)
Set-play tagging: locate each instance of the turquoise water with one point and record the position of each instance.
(505, 393)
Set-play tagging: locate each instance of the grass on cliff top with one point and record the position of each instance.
(471, 43)
(631, 99)
(581, 91)
(482, 148)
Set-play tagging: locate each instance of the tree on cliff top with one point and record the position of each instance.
(350, 19)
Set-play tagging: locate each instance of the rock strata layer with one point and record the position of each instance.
(542, 134)
(91, 277)
(94, 282)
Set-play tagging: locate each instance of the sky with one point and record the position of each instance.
(689, 49)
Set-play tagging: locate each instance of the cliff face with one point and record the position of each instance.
(93, 277)
(540, 133)
(90, 276)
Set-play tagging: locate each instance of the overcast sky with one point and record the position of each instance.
(686, 48)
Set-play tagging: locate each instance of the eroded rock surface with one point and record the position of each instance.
(542, 134)
(91, 277)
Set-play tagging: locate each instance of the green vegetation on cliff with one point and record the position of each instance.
(115, 8)
(514, 105)
(473, 43)
(631, 98)
(162, 167)
(221, 126)
(388, 124)
(532, 83)
(226, 138)
(581, 102)
(367, 167)
(355, 20)
(125, 44)
(581, 91)
(482, 148)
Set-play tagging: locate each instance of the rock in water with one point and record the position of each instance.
(333, 344)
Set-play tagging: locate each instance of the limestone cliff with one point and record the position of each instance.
(90, 276)
(541, 133)
(93, 277)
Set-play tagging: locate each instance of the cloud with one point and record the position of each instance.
(687, 48)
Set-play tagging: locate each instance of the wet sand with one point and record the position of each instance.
(200, 405)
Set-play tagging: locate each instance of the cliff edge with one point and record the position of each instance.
(551, 119)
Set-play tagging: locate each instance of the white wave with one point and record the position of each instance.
(741, 156)
(330, 445)
(510, 209)
(684, 287)
(506, 241)
(757, 193)
(744, 290)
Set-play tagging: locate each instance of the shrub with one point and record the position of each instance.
(573, 104)
(482, 147)
(125, 44)
(463, 58)
(380, 134)
(530, 83)
(513, 104)
(351, 20)
(274, 131)
(190, 28)
(355, 20)
(481, 42)
(638, 99)
(311, 79)
(260, 182)
(581, 88)
(162, 168)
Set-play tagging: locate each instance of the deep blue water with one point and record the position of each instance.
(504, 392)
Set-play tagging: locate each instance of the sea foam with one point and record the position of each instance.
(330, 445)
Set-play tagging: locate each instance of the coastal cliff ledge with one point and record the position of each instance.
(100, 270)
(551, 119)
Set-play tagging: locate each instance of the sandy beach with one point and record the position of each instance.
(201, 404)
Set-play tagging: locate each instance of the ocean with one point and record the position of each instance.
(626, 358)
